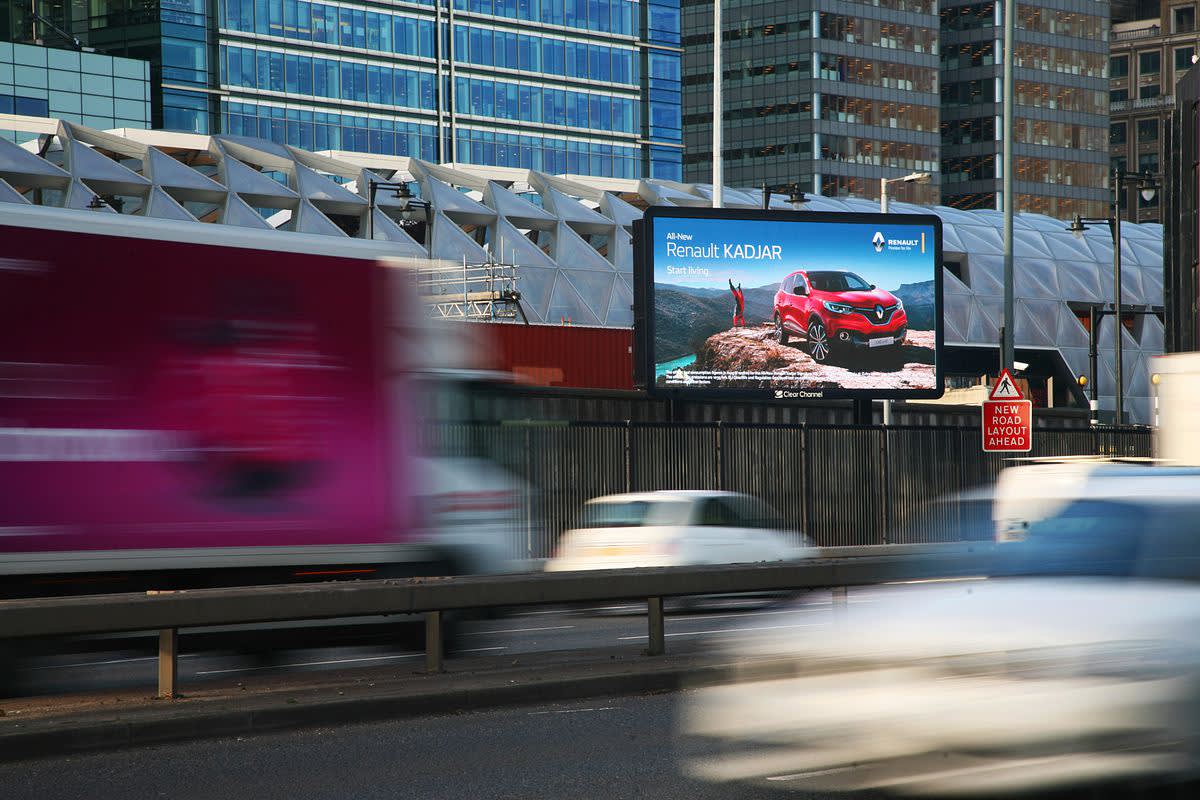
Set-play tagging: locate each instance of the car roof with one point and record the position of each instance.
(664, 495)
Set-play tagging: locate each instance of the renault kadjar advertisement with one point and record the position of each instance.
(793, 304)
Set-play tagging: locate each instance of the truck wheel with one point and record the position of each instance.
(781, 334)
(819, 344)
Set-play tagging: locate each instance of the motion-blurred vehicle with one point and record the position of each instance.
(675, 528)
(1079, 665)
(197, 405)
(1029, 493)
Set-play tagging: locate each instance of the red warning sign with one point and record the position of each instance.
(1007, 418)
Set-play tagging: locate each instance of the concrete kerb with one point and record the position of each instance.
(164, 722)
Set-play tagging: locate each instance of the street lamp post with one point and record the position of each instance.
(718, 171)
(796, 197)
(1148, 185)
(400, 191)
(914, 177)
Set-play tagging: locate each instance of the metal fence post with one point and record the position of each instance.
(628, 455)
(885, 485)
(168, 663)
(720, 458)
(433, 641)
(657, 639)
(806, 493)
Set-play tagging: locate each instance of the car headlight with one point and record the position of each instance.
(837, 308)
(899, 304)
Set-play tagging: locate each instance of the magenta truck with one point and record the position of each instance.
(188, 404)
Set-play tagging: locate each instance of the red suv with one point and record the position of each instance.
(834, 308)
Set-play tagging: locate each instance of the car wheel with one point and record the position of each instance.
(818, 342)
(781, 334)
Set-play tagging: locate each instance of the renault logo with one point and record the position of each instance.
(878, 241)
(879, 312)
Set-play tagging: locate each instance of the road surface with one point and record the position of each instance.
(615, 749)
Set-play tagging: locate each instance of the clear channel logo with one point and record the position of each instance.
(879, 241)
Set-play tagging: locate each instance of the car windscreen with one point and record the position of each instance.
(837, 282)
(634, 513)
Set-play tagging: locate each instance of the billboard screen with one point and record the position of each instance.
(792, 304)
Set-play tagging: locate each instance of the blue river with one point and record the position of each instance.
(667, 366)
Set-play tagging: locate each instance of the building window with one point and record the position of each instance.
(1118, 95)
(1147, 130)
(1149, 63)
(1118, 67)
(1116, 133)
(1183, 58)
(1184, 19)
(1148, 91)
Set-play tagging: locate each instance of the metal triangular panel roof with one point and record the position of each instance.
(21, 168)
(320, 163)
(732, 198)
(1037, 322)
(620, 250)
(566, 304)
(309, 219)
(161, 205)
(79, 196)
(655, 192)
(101, 172)
(1079, 282)
(951, 243)
(239, 213)
(324, 193)
(573, 212)
(385, 229)
(1035, 278)
(952, 285)
(618, 210)
(181, 179)
(510, 246)
(253, 186)
(620, 306)
(536, 284)
(451, 243)
(10, 195)
(448, 200)
(594, 287)
(1070, 331)
(984, 327)
(516, 209)
(956, 315)
(986, 274)
(571, 250)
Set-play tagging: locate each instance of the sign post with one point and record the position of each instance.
(1007, 418)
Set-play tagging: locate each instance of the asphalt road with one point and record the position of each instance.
(101, 668)
(615, 749)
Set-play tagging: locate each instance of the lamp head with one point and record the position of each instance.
(1077, 227)
(1148, 187)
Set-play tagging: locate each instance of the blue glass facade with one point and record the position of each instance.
(663, 91)
(543, 84)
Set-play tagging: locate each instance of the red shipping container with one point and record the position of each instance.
(564, 355)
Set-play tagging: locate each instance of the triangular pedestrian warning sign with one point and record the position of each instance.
(1006, 388)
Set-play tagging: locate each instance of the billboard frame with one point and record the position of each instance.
(643, 278)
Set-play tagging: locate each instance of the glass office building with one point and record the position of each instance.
(832, 95)
(90, 89)
(1060, 118)
(578, 86)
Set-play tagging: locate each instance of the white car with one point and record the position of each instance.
(1081, 667)
(675, 528)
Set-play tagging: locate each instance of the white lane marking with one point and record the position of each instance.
(572, 710)
(521, 630)
(727, 630)
(113, 661)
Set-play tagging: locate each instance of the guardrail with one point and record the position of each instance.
(168, 612)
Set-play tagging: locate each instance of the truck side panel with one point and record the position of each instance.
(170, 395)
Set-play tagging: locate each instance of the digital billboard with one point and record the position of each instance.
(791, 304)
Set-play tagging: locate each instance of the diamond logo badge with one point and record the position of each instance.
(878, 241)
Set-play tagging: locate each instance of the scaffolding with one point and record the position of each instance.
(486, 291)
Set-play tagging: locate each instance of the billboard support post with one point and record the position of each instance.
(1010, 327)
(718, 172)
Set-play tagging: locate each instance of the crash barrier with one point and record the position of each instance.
(170, 612)
(840, 485)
